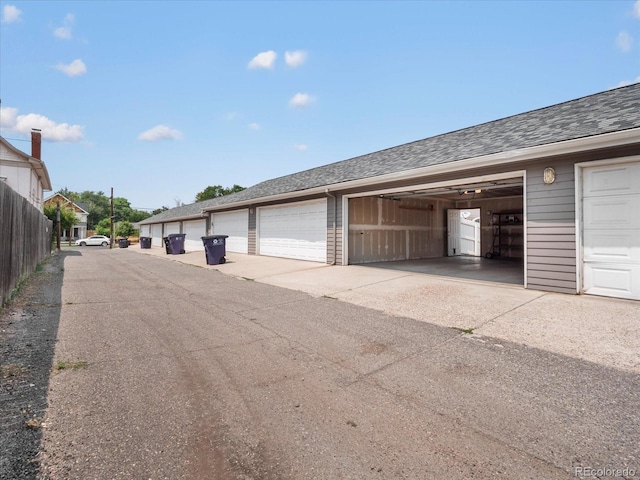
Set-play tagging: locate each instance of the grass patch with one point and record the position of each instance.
(248, 279)
(34, 423)
(329, 297)
(464, 330)
(62, 365)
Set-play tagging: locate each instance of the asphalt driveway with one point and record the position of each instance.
(177, 371)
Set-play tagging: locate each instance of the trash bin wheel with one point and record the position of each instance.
(222, 260)
(488, 255)
(182, 251)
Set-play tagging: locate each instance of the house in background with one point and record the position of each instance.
(27, 175)
(557, 190)
(79, 230)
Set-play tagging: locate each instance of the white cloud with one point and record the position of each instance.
(75, 68)
(624, 41)
(10, 14)
(52, 131)
(295, 59)
(64, 32)
(254, 126)
(232, 116)
(636, 9)
(301, 100)
(624, 83)
(264, 60)
(301, 147)
(160, 132)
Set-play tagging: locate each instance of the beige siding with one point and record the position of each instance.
(334, 240)
(551, 247)
(251, 237)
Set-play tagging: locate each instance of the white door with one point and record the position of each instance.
(194, 231)
(156, 235)
(611, 230)
(463, 232)
(236, 226)
(294, 231)
(145, 230)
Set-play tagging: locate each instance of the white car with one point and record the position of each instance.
(94, 240)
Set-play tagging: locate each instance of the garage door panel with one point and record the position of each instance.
(620, 245)
(612, 180)
(194, 231)
(616, 211)
(294, 231)
(236, 226)
(173, 227)
(614, 280)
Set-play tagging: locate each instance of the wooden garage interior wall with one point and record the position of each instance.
(551, 228)
(382, 229)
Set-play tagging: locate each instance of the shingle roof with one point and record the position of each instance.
(610, 111)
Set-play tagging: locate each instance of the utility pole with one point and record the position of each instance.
(111, 222)
(58, 228)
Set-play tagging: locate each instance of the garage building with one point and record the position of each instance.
(554, 191)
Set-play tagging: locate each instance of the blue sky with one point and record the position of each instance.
(161, 99)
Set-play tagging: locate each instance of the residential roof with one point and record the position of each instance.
(36, 164)
(607, 112)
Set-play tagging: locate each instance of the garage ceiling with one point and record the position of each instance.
(492, 189)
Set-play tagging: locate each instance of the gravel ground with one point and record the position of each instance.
(28, 330)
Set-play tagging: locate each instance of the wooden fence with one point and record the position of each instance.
(25, 239)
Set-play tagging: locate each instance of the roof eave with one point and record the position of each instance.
(607, 140)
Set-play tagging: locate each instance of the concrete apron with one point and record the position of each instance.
(597, 329)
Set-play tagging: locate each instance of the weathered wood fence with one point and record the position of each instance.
(25, 239)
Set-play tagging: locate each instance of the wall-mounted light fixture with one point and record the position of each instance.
(549, 175)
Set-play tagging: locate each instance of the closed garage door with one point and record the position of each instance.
(145, 230)
(156, 235)
(611, 230)
(194, 231)
(173, 227)
(236, 226)
(294, 231)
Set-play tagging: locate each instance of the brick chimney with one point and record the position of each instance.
(36, 142)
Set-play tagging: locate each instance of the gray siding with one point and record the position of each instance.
(251, 238)
(334, 241)
(551, 229)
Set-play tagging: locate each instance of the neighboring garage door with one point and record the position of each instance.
(236, 226)
(145, 230)
(156, 235)
(294, 231)
(173, 227)
(611, 230)
(194, 231)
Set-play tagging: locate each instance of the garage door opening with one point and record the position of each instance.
(448, 230)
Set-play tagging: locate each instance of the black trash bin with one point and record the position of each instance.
(174, 243)
(215, 249)
(145, 242)
(123, 242)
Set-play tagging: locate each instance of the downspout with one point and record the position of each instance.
(335, 220)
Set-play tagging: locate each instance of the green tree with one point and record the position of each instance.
(104, 227)
(125, 229)
(138, 215)
(68, 218)
(217, 191)
(98, 205)
(159, 210)
(121, 209)
(66, 193)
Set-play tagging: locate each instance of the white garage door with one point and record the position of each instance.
(234, 224)
(194, 231)
(145, 230)
(156, 235)
(173, 227)
(294, 231)
(611, 230)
